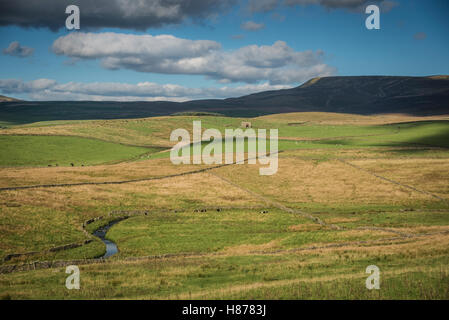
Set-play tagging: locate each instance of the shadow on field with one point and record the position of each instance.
(434, 134)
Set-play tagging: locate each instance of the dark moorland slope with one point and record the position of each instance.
(358, 95)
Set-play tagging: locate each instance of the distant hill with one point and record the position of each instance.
(7, 99)
(358, 95)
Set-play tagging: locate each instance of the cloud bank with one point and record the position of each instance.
(48, 89)
(125, 14)
(166, 54)
(144, 14)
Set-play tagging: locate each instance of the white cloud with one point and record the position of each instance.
(18, 86)
(15, 49)
(167, 54)
(109, 44)
(252, 26)
(47, 89)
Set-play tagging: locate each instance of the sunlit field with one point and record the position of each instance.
(350, 191)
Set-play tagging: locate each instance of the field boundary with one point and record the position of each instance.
(82, 137)
(391, 181)
(62, 263)
(117, 215)
(279, 205)
(308, 215)
(127, 181)
(109, 182)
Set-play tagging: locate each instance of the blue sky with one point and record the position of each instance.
(412, 41)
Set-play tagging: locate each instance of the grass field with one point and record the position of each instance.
(351, 191)
(57, 150)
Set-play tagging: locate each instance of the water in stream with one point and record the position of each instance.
(111, 247)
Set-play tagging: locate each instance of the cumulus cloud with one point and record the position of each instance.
(165, 54)
(48, 89)
(16, 50)
(252, 26)
(127, 14)
(109, 44)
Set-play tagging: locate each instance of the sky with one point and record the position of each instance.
(178, 50)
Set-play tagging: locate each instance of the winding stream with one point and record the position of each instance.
(111, 247)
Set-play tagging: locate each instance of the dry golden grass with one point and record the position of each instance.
(246, 249)
(422, 229)
(342, 220)
(176, 192)
(305, 227)
(365, 153)
(128, 131)
(348, 119)
(430, 245)
(431, 175)
(331, 182)
(10, 177)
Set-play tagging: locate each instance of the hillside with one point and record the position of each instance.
(357, 95)
(7, 99)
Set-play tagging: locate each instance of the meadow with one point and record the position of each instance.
(351, 191)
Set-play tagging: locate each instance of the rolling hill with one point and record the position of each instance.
(357, 95)
(7, 99)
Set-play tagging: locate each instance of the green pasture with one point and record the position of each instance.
(62, 151)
